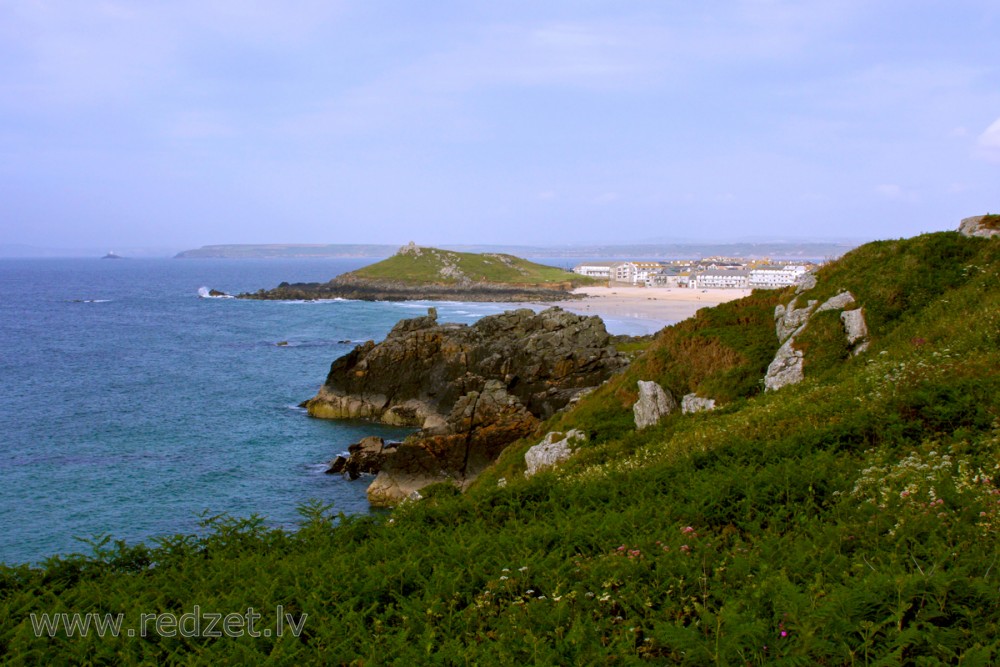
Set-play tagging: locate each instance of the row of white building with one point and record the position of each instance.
(657, 274)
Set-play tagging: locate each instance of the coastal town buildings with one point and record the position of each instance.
(712, 272)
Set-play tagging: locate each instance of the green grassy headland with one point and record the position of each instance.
(851, 519)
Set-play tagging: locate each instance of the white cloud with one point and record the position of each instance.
(989, 142)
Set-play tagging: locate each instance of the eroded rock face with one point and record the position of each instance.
(472, 389)
(422, 368)
(654, 404)
(480, 426)
(553, 449)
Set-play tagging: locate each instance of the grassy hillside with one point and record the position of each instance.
(849, 519)
(417, 265)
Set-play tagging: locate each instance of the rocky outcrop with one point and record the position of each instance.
(980, 225)
(365, 457)
(654, 404)
(480, 426)
(790, 321)
(417, 374)
(472, 390)
(695, 403)
(553, 449)
(786, 368)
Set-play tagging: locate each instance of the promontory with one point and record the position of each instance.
(421, 273)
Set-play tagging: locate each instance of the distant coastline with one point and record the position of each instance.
(773, 249)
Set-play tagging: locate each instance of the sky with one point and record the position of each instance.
(544, 122)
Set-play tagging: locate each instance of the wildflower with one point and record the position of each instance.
(687, 530)
(503, 578)
(506, 569)
(685, 548)
(522, 569)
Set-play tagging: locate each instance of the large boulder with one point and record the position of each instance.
(654, 404)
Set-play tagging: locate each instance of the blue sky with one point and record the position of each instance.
(178, 124)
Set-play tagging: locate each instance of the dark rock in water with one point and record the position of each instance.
(365, 457)
(472, 389)
(338, 465)
(112, 255)
(215, 292)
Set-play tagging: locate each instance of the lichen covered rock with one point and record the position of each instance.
(554, 448)
(654, 404)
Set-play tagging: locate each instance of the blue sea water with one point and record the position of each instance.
(129, 405)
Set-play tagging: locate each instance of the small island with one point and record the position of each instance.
(112, 255)
(420, 273)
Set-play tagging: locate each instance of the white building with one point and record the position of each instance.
(595, 269)
(721, 280)
(772, 276)
(634, 273)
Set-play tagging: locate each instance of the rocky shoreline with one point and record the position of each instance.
(471, 389)
(387, 290)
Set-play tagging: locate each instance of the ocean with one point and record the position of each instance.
(129, 405)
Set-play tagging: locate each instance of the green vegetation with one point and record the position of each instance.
(431, 266)
(851, 519)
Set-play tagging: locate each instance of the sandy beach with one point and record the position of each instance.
(654, 305)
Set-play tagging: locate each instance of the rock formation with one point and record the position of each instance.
(695, 403)
(654, 404)
(471, 389)
(980, 225)
(790, 321)
(365, 457)
(555, 447)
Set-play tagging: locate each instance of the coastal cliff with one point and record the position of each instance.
(419, 273)
(471, 389)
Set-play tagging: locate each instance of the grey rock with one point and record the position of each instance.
(805, 282)
(695, 403)
(789, 319)
(977, 226)
(554, 448)
(856, 329)
(654, 404)
(838, 302)
(786, 368)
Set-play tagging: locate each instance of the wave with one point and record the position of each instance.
(205, 293)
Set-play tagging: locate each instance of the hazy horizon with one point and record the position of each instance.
(178, 125)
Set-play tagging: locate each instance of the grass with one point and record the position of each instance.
(445, 267)
(850, 519)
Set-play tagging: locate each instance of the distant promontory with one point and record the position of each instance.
(418, 273)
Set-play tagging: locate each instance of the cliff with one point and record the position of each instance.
(417, 273)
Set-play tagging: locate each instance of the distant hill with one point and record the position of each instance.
(754, 249)
(416, 272)
(286, 250)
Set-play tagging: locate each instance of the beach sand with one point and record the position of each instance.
(659, 305)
